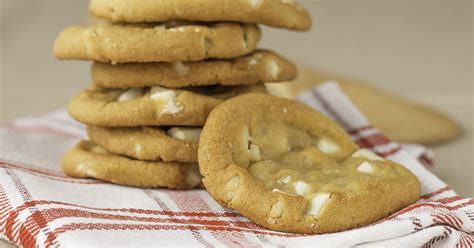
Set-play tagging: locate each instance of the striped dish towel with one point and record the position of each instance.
(40, 206)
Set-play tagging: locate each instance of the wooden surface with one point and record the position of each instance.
(419, 49)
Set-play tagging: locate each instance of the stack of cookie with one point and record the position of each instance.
(159, 69)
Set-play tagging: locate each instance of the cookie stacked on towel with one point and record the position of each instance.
(160, 67)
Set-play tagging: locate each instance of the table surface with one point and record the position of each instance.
(418, 49)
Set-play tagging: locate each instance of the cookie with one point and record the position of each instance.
(154, 106)
(118, 43)
(176, 144)
(289, 168)
(258, 67)
(87, 160)
(401, 119)
(278, 13)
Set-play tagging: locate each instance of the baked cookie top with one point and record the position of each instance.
(289, 168)
(155, 106)
(168, 42)
(258, 67)
(278, 13)
(88, 160)
(177, 144)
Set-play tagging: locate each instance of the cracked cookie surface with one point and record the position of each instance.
(278, 13)
(155, 106)
(88, 160)
(258, 67)
(289, 168)
(172, 144)
(117, 43)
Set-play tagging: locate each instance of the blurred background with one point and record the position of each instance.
(421, 50)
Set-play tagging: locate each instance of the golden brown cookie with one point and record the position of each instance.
(87, 160)
(289, 168)
(154, 106)
(401, 119)
(117, 43)
(258, 67)
(176, 144)
(278, 13)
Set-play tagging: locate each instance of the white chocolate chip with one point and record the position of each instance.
(98, 150)
(180, 68)
(130, 94)
(253, 61)
(255, 3)
(366, 167)
(301, 188)
(277, 209)
(172, 108)
(81, 168)
(327, 146)
(230, 195)
(316, 204)
(157, 89)
(193, 178)
(285, 180)
(91, 173)
(271, 221)
(138, 148)
(285, 110)
(84, 168)
(288, 1)
(232, 187)
(168, 100)
(161, 26)
(273, 69)
(185, 133)
(367, 154)
(254, 152)
(282, 192)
